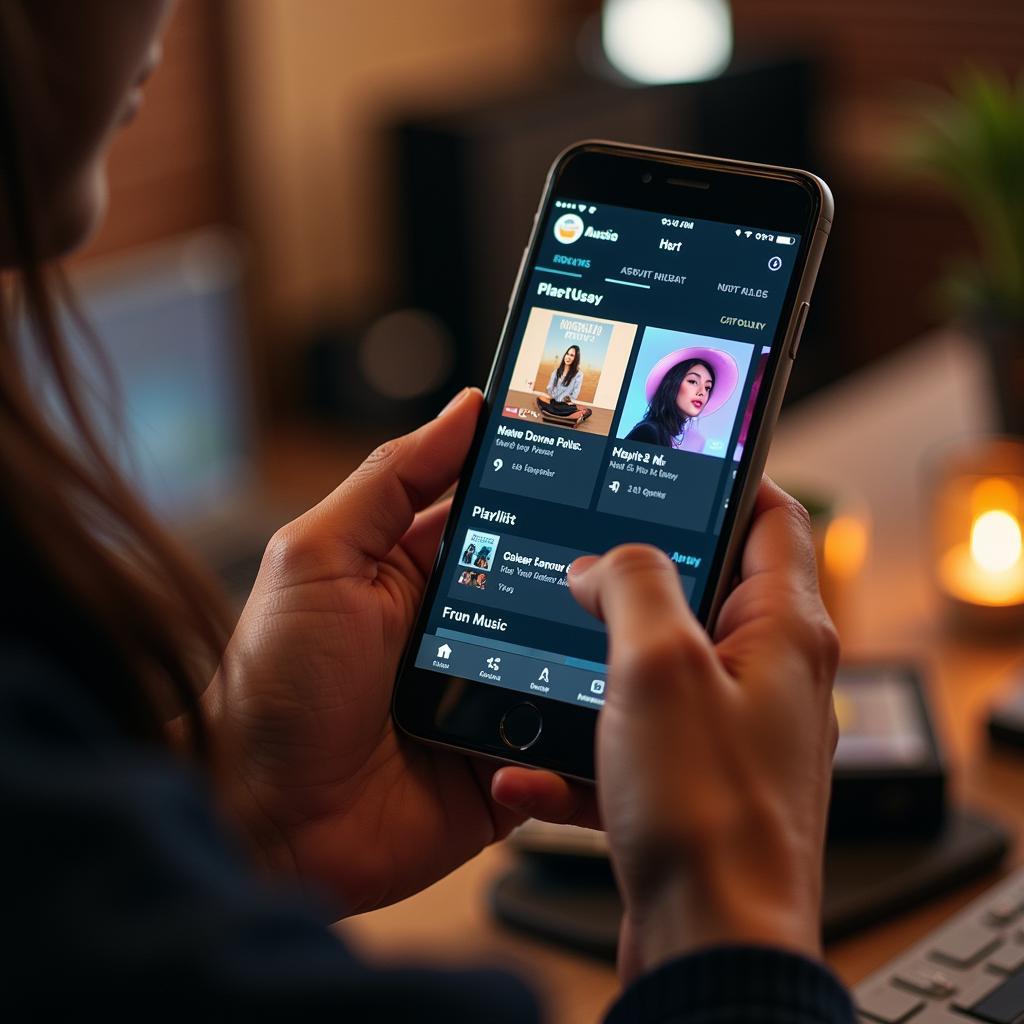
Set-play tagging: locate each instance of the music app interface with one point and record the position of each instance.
(621, 415)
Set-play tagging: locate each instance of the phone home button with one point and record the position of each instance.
(520, 726)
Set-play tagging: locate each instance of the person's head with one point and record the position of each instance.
(570, 364)
(682, 394)
(695, 389)
(69, 77)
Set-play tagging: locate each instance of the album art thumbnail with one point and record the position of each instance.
(475, 578)
(748, 412)
(569, 371)
(478, 550)
(685, 392)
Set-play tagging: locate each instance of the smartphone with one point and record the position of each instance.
(651, 331)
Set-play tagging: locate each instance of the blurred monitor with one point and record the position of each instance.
(168, 321)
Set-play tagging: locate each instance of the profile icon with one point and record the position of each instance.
(568, 228)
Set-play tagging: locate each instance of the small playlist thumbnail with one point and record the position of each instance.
(475, 578)
(478, 550)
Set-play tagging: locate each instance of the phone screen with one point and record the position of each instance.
(620, 414)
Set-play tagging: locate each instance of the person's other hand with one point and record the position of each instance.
(313, 767)
(714, 759)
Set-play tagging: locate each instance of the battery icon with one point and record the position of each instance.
(785, 240)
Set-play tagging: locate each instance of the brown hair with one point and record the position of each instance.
(99, 563)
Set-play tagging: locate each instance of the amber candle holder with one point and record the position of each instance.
(978, 551)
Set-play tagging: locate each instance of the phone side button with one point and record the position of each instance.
(520, 726)
(798, 330)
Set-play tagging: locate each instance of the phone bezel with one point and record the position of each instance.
(464, 714)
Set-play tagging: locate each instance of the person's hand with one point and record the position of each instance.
(714, 760)
(312, 766)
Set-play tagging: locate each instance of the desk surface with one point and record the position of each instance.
(867, 441)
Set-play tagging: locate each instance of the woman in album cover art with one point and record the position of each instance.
(467, 555)
(564, 388)
(682, 386)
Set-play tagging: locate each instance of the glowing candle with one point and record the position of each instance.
(987, 567)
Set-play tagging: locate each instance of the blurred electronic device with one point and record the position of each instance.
(467, 181)
(970, 968)
(168, 319)
(889, 775)
(1006, 718)
(876, 864)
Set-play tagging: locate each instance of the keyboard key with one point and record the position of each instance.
(1003, 1005)
(1009, 959)
(1004, 912)
(964, 945)
(936, 1013)
(888, 1004)
(975, 990)
(925, 981)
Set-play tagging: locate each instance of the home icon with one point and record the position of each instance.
(444, 651)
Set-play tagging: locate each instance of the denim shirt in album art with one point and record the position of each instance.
(562, 392)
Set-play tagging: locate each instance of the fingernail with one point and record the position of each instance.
(524, 805)
(454, 402)
(581, 565)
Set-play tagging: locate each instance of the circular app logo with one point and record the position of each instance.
(568, 228)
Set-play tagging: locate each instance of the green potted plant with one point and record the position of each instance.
(970, 141)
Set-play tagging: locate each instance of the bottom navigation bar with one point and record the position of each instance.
(500, 667)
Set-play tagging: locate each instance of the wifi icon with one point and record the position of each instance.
(748, 233)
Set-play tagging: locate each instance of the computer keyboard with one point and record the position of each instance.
(969, 969)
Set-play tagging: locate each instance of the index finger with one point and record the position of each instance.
(780, 541)
(652, 633)
(632, 588)
(778, 601)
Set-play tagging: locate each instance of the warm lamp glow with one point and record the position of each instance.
(979, 547)
(995, 540)
(846, 544)
(985, 568)
(657, 42)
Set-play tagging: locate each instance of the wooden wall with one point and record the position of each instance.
(874, 47)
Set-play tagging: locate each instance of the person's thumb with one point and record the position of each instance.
(364, 517)
(652, 632)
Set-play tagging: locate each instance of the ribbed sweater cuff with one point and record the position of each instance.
(730, 984)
